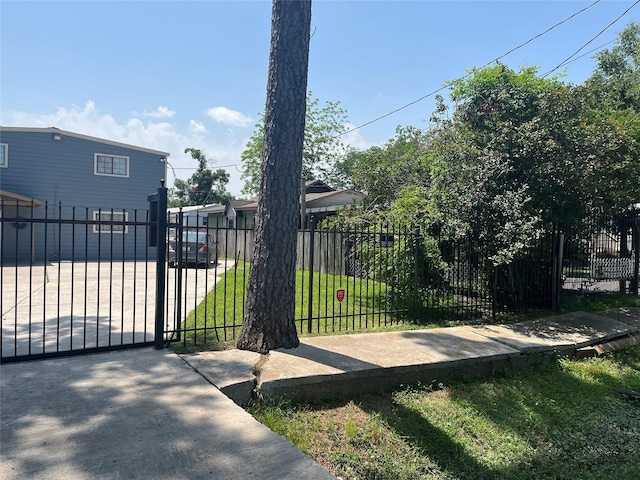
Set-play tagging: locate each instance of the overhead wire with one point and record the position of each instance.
(565, 62)
(545, 32)
(591, 40)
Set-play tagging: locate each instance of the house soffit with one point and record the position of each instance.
(11, 199)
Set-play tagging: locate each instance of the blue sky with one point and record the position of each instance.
(169, 75)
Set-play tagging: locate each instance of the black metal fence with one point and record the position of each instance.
(74, 280)
(605, 259)
(373, 276)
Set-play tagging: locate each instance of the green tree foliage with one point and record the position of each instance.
(513, 159)
(522, 155)
(617, 76)
(614, 95)
(323, 147)
(203, 187)
(383, 171)
(409, 262)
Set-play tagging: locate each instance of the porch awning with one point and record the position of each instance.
(13, 199)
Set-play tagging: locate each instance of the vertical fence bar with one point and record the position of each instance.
(635, 236)
(86, 268)
(416, 240)
(125, 232)
(73, 264)
(98, 228)
(112, 228)
(30, 287)
(59, 273)
(135, 276)
(161, 255)
(44, 279)
(312, 233)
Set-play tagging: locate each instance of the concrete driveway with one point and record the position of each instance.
(74, 306)
(133, 414)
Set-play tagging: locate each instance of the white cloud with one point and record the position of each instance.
(355, 138)
(227, 116)
(220, 147)
(197, 127)
(160, 112)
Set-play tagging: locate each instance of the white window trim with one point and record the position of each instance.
(96, 227)
(6, 155)
(95, 165)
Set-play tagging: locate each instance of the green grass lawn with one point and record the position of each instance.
(217, 321)
(557, 419)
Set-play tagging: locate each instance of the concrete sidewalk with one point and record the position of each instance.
(142, 414)
(150, 414)
(350, 364)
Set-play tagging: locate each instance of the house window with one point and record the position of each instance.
(102, 216)
(111, 165)
(231, 222)
(4, 155)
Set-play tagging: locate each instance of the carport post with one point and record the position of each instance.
(161, 256)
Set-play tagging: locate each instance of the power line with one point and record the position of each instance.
(218, 166)
(487, 64)
(545, 32)
(592, 39)
(595, 49)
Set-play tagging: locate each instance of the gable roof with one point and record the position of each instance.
(317, 186)
(320, 197)
(315, 197)
(241, 206)
(211, 207)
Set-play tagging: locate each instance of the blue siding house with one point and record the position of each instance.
(77, 180)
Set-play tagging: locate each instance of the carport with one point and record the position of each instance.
(13, 205)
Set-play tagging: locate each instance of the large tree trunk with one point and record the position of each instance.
(270, 310)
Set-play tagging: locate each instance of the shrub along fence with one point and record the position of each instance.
(376, 276)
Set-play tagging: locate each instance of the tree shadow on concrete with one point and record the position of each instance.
(132, 414)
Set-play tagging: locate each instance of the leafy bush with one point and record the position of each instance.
(411, 266)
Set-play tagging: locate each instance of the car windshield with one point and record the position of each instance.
(195, 237)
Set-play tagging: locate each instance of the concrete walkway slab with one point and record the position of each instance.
(628, 315)
(233, 371)
(142, 414)
(346, 364)
(353, 364)
(560, 332)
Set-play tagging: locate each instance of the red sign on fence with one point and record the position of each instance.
(340, 294)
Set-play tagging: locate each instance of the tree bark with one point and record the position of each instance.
(270, 309)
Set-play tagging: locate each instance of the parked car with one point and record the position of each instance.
(198, 247)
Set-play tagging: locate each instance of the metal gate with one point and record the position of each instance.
(76, 280)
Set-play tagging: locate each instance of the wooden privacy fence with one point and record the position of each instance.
(332, 250)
